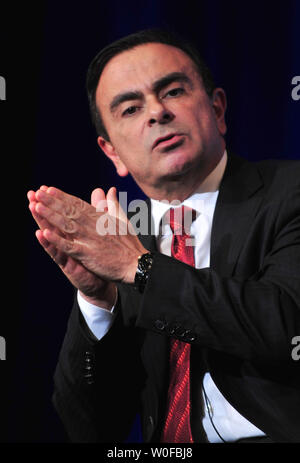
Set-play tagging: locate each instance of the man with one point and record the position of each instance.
(192, 329)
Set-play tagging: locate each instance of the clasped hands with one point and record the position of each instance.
(93, 262)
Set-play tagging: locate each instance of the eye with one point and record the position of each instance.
(175, 92)
(129, 111)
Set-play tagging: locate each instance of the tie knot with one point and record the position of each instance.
(181, 219)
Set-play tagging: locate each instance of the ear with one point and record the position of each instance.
(111, 153)
(219, 103)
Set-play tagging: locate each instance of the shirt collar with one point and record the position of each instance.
(203, 192)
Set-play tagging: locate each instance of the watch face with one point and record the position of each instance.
(146, 261)
(142, 272)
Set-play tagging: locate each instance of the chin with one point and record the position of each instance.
(176, 172)
(180, 163)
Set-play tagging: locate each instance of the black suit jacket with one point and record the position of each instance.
(240, 316)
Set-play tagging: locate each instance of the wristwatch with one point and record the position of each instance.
(145, 262)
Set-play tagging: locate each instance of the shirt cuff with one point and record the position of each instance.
(98, 320)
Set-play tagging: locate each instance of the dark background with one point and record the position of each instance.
(46, 137)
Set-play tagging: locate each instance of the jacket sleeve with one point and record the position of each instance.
(250, 318)
(96, 383)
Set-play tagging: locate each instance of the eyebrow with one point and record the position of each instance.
(169, 78)
(157, 86)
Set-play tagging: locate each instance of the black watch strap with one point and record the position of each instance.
(143, 270)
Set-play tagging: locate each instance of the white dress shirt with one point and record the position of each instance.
(229, 423)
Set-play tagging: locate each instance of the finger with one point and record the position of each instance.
(96, 196)
(41, 221)
(69, 266)
(71, 248)
(98, 200)
(31, 195)
(58, 257)
(57, 220)
(114, 207)
(42, 240)
(65, 198)
(69, 206)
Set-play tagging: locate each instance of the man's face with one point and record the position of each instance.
(161, 123)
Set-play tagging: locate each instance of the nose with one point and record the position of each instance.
(158, 113)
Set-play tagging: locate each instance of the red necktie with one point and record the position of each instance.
(177, 427)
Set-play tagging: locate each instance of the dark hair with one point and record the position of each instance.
(126, 43)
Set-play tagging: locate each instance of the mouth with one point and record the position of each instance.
(168, 140)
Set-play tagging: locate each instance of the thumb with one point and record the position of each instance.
(114, 207)
(112, 195)
(96, 196)
(112, 202)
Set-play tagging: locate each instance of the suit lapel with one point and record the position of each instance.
(239, 198)
(149, 240)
